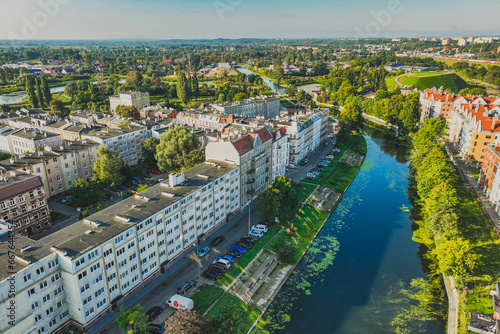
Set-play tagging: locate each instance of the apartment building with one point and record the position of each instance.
(78, 273)
(268, 107)
(125, 140)
(27, 140)
(253, 153)
(473, 128)
(489, 180)
(59, 167)
(203, 119)
(128, 99)
(23, 203)
(305, 132)
(280, 152)
(437, 103)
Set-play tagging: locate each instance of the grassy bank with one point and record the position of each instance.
(205, 296)
(236, 314)
(304, 190)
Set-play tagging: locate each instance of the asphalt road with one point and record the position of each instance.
(194, 267)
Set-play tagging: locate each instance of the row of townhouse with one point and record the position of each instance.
(23, 203)
(472, 128)
(59, 167)
(437, 103)
(20, 141)
(77, 274)
(268, 107)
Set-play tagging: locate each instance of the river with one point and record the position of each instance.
(364, 258)
(16, 97)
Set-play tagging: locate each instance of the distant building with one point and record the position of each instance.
(267, 107)
(137, 99)
(23, 203)
(27, 140)
(125, 140)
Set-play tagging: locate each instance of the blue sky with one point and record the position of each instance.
(166, 19)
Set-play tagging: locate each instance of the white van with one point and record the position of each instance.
(260, 227)
(223, 262)
(178, 302)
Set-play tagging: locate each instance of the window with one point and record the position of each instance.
(58, 290)
(58, 178)
(40, 271)
(83, 274)
(49, 311)
(34, 306)
(31, 292)
(38, 318)
(46, 298)
(3, 205)
(87, 300)
(52, 322)
(108, 252)
(43, 285)
(27, 277)
(84, 288)
(60, 187)
(12, 201)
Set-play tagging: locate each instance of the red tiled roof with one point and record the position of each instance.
(486, 121)
(243, 145)
(263, 134)
(20, 187)
(281, 130)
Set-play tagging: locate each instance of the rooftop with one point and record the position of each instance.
(12, 183)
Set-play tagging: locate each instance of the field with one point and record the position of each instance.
(205, 296)
(424, 80)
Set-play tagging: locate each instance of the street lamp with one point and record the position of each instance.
(249, 202)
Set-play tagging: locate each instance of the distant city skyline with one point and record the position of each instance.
(201, 19)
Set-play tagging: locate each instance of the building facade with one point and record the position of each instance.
(125, 140)
(280, 152)
(267, 107)
(77, 274)
(136, 99)
(23, 203)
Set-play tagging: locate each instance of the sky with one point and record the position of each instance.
(209, 19)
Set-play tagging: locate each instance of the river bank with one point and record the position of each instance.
(303, 229)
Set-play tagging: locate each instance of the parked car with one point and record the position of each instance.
(211, 275)
(234, 254)
(260, 227)
(204, 251)
(303, 163)
(157, 327)
(264, 222)
(249, 240)
(291, 166)
(184, 287)
(218, 268)
(330, 157)
(238, 248)
(256, 234)
(227, 257)
(153, 312)
(310, 176)
(243, 244)
(217, 241)
(226, 263)
(155, 331)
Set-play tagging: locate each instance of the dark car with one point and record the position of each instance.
(154, 171)
(184, 287)
(153, 312)
(249, 240)
(217, 241)
(157, 327)
(218, 268)
(234, 254)
(264, 222)
(211, 275)
(303, 163)
(243, 244)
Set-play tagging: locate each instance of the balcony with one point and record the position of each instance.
(250, 181)
(250, 192)
(251, 171)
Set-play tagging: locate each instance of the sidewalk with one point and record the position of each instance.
(183, 260)
(472, 184)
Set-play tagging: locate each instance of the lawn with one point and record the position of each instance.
(304, 190)
(205, 296)
(232, 308)
(424, 80)
(391, 83)
(246, 258)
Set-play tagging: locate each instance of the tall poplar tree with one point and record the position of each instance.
(181, 87)
(39, 93)
(47, 95)
(30, 90)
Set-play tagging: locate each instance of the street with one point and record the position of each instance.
(189, 267)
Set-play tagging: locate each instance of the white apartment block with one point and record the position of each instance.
(125, 140)
(305, 133)
(76, 274)
(268, 107)
(27, 140)
(138, 100)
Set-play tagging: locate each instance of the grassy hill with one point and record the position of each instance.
(450, 81)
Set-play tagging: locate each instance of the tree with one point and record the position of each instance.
(291, 90)
(239, 96)
(149, 152)
(174, 147)
(30, 90)
(195, 90)
(185, 321)
(98, 208)
(352, 115)
(131, 112)
(142, 187)
(134, 78)
(345, 90)
(84, 193)
(410, 114)
(57, 108)
(47, 95)
(39, 94)
(285, 249)
(456, 257)
(107, 168)
(132, 321)
(71, 89)
(5, 156)
(279, 200)
(182, 92)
